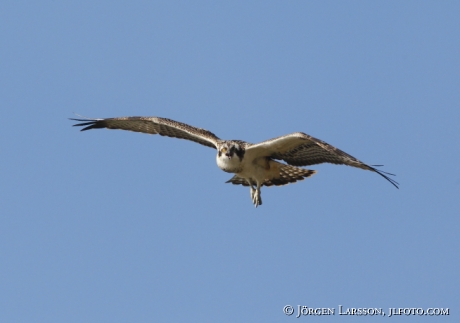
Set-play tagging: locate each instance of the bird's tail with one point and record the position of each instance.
(287, 174)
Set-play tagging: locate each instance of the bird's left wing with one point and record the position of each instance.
(153, 125)
(300, 149)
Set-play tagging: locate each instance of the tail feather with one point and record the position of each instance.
(288, 174)
(236, 180)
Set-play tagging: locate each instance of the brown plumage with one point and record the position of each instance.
(287, 174)
(153, 125)
(254, 165)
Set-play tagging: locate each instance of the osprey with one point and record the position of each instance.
(254, 165)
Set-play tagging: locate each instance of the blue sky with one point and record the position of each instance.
(112, 226)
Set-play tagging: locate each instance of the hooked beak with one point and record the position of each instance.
(228, 155)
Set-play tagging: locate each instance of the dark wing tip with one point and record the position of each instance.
(384, 175)
(90, 123)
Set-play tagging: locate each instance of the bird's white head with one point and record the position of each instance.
(229, 157)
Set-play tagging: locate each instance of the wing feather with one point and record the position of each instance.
(153, 125)
(287, 174)
(300, 149)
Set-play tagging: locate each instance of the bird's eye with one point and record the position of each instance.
(224, 150)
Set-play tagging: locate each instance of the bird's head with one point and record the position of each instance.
(230, 156)
(229, 150)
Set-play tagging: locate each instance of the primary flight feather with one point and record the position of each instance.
(254, 165)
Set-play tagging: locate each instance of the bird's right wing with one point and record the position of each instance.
(153, 125)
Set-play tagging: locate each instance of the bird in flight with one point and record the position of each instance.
(254, 165)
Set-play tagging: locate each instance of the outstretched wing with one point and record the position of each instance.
(153, 125)
(300, 149)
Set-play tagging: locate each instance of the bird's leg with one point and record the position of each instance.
(251, 189)
(256, 198)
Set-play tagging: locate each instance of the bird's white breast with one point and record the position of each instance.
(229, 165)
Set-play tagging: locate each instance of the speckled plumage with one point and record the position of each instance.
(153, 125)
(253, 164)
